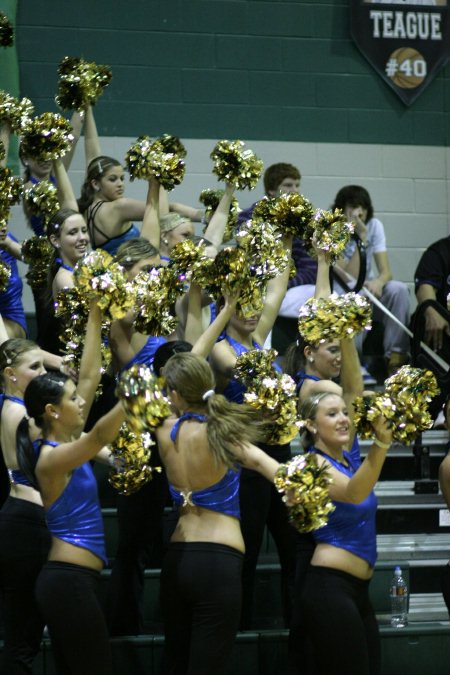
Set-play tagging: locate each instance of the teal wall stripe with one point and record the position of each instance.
(215, 68)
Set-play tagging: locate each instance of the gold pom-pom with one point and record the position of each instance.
(5, 275)
(331, 232)
(210, 199)
(305, 487)
(37, 253)
(236, 165)
(290, 213)
(264, 249)
(42, 200)
(147, 158)
(131, 460)
(404, 403)
(334, 318)
(142, 394)
(271, 392)
(171, 144)
(11, 188)
(47, 137)
(2, 151)
(81, 83)
(6, 31)
(190, 262)
(72, 309)
(154, 295)
(17, 113)
(97, 272)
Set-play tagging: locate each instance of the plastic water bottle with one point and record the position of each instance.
(399, 600)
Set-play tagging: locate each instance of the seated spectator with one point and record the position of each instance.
(432, 282)
(356, 203)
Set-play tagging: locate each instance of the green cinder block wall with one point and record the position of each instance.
(276, 70)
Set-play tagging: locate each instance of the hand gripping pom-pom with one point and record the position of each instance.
(131, 455)
(334, 318)
(146, 406)
(47, 137)
(81, 83)
(305, 489)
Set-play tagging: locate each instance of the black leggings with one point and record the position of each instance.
(201, 602)
(68, 597)
(261, 506)
(24, 550)
(337, 613)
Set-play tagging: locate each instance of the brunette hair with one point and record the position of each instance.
(275, 174)
(95, 171)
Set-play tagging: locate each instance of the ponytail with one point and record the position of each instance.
(230, 425)
(25, 451)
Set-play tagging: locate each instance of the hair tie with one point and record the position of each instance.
(207, 394)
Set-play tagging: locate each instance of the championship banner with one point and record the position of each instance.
(406, 41)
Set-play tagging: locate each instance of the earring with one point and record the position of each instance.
(14, 378)
(56, 416)
(165, 241)
(311, 360)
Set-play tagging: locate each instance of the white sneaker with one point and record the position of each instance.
(368, 379)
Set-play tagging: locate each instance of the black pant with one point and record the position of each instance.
(261, 505)
(337, 613)
(445, 583)
(68, 597)
(201, 601)
(300, 649)
(140, 545)
(25, 542)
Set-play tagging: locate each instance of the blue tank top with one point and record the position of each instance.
(222, 497)
(11, 306)
(145, 356)
(300, 378)
(350, 526)
(234, 390)
(76, 517)
(16, 476)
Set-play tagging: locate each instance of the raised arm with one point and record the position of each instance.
(76, 122)
(92, 147)
(216, 227)
(150, 223)
(91, 359)
(204, 341)
(276, 290)
(66, 196)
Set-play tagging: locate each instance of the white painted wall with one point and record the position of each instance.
(409, 186)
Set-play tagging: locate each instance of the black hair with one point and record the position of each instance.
(354, 195)
(166, 350)
(43, 389)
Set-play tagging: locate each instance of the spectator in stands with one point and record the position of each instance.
(357, 205)
(280, 179)
(432, 282)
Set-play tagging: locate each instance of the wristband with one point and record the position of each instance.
(380, 444)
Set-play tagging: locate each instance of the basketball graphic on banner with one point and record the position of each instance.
(406, 67)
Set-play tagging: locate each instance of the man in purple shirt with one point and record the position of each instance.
(282, 179)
